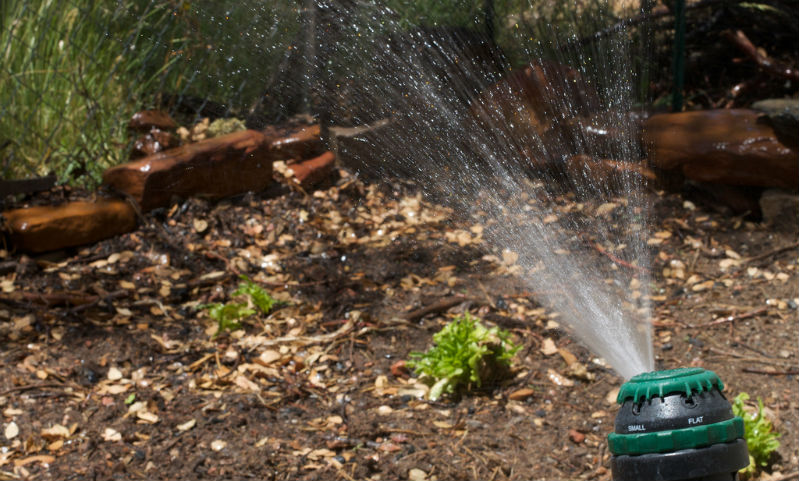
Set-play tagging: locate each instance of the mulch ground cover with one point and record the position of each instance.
(110, 367)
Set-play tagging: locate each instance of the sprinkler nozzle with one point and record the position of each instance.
(676, 425)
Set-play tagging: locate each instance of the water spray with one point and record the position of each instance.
(676, 425)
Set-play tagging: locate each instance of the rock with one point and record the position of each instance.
(722, 146)
(213, 168)
(153, 142)
(308, 173)
(783, 116)
(42, 229)
(780, 209)
(146, 120)
(298, 143)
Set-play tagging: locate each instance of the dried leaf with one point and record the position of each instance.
(548, 347)
(112, 435)
(54, 432)
(187, 425)
(114, 374)
(559, 380)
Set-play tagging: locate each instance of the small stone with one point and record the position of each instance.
(576, 436)
(384, 410)
(218, 445)
(11, 431)
(200, 225)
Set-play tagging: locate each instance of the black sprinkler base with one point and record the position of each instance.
(719, 462)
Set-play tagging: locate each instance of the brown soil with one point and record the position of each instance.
(108, 370)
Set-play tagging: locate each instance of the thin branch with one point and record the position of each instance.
(439, 306)
(723, 320)
(772, 67)
(791, 372)
(772, 253)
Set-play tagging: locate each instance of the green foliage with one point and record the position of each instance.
(235, 48)
(465, 353)
(758, 432)
(262, 300)
(71, 74)
(229, 315)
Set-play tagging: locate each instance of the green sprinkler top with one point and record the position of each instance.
(645, 386)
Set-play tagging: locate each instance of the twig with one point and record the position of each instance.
(302, 340)
(109, 297)
(772, 253)
(740, 40)
(750, 358)
(770, 373)
(615, 259)
(723, 320)
(29, 387)
(54, 299)
(439, 306)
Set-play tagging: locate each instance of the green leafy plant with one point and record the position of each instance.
(229, 315)
(260, 298)
(465, 353)
(758, 432)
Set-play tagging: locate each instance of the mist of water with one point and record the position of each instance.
(468, 142)
(455, 141)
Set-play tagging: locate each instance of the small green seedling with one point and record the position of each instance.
(465, 353)
(758, 432)
(262, 300)
(230, 314)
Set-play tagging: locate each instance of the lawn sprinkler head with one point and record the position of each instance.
(676, 425)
